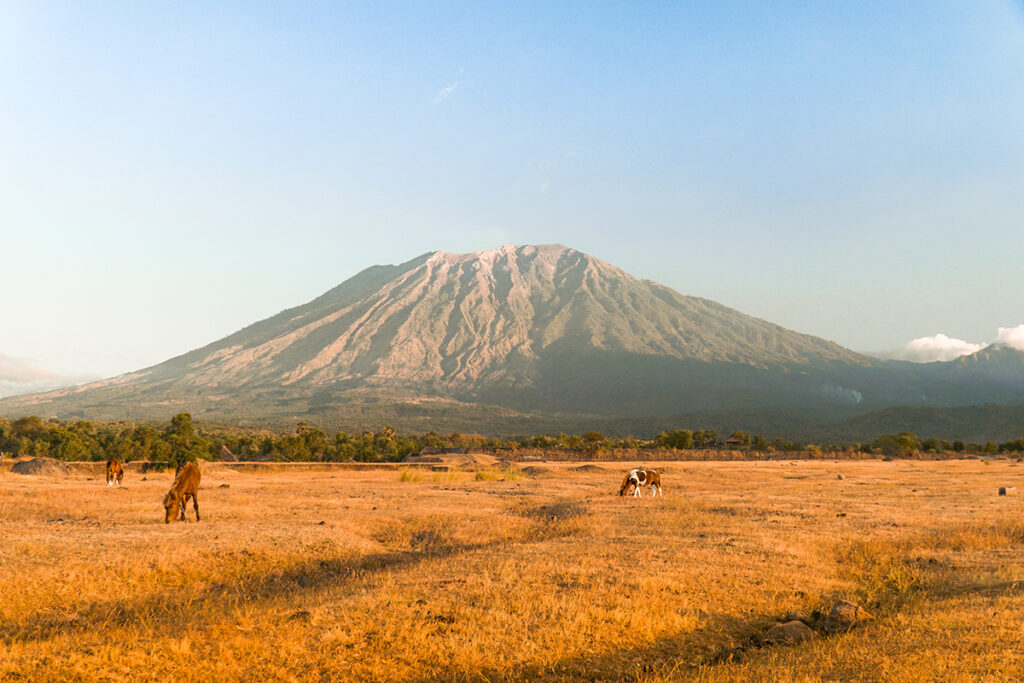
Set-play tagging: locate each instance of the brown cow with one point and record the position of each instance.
(186, 483)
(115, 473)
(641, 477)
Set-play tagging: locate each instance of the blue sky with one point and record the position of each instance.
(170, 172)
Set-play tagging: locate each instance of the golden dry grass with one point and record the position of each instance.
(382, 575)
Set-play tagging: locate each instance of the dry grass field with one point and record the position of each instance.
(388, 574)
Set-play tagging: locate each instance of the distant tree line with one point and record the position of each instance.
(181, 440)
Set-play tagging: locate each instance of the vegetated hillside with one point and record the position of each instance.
(977, 423)
(999, 364)
(518, 339)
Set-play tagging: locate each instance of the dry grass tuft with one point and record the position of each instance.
(410, 475)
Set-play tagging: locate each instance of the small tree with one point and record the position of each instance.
(741, 436)
(681, 439)
(185, 444)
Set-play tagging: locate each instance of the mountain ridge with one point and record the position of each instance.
(377, 323)
(539, 330)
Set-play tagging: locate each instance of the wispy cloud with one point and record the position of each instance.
(445, 92)
(20, 376)
(546, 169)
(548, 163)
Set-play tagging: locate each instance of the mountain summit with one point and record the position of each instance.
(458, 320)
(539, 330)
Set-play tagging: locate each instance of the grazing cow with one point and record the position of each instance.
(186, 483)
(115, 473)
(641, 477)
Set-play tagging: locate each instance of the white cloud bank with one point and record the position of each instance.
(942, 348)
(937, 347)
(1012, 337)
(19, 376)
(20, 370)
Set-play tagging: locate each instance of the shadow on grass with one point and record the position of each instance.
(889, 578)
(671, 656)
(721, 640)
(250, 582)
(185, 604)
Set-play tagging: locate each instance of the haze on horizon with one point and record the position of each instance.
(172, 172)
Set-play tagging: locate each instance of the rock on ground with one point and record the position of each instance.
(790, 632)
(845, 615)
(796, 615)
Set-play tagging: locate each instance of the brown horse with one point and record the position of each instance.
(115, 473)
(641, 477)
(186, 483)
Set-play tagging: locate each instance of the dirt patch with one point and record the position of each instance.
(453, 459)
(553, 511)
(44, 467)
(588, 468)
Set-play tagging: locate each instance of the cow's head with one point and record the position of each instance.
(172, 503)
(627, 486)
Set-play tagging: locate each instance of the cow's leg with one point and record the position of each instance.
(637, 493)
(195, 504)
(181, 507)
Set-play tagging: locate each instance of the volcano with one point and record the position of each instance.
(521, 337)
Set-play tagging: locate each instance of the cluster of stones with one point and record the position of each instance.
(843, 616)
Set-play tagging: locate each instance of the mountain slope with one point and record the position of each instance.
(455, 320)
(542, 333)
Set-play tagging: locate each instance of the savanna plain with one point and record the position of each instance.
(536, 573)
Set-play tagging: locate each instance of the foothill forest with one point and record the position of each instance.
(183, 440)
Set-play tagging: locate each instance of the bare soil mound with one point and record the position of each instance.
(453, 459)
(45, 467)
(535, 471)
(588, 468)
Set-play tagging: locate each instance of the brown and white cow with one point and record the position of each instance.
(186, 483)
(639, 477)
(115, 473)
